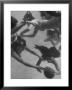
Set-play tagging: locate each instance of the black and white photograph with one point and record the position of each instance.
(35, 44)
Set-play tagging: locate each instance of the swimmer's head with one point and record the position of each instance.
(13, 22)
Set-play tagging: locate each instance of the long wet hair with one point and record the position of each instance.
(13, 22)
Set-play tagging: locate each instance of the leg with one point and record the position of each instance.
(38, 63)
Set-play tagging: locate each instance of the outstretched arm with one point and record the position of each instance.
(53, 22)
(19, 59)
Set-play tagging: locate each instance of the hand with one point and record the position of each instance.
(38, 22)
(34, 22)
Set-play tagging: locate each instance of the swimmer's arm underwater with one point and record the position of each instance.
(19, 59)
(53, 22)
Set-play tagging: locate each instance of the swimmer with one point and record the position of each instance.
(49, 55)
(43, 24)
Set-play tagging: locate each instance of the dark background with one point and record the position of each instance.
(1, 34)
